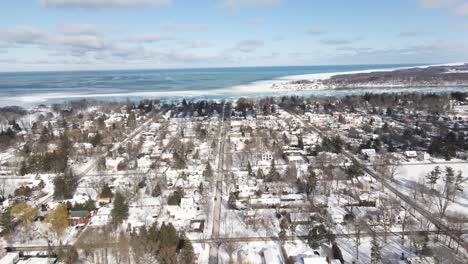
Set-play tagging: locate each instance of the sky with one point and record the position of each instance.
(49, 35)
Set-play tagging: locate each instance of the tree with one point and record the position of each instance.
(208, 172)
(120, 210)
(354, 170)
(433, 176)
(131, 120)
(337, 253)
(24, 212)
(168, 235)
(458, 184)
(70, 256)
(249, 168)
(187, 255)
(65, 186)
(273, 174)
(260, 174)
(23, 169)
(23, 191)
(376, 254)
(311, 183)
(106, 191)
(57, 218)
(156, 191)
(6, 221)
(446, 192)
(176, 197)
(314, 237)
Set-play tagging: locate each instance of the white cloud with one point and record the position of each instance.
(100, 4)
(77, 29)
(235, 5)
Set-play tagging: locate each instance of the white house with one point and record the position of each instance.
(410, 154)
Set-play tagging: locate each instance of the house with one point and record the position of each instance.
(422, 156)
(266, 156)
(271, 256)
(103, 200)
(299, 218)
(314, 260)
(10, 258)
(78, 218)
(102, 216)
(410, 154)
(369, 153)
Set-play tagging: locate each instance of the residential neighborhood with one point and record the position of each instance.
(373, 178)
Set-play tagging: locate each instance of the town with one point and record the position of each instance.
(371, 178)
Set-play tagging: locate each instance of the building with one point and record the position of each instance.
(78, 218)
(410, 154)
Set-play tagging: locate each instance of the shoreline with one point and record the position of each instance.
(280, 85)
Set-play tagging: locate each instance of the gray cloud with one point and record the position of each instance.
(340, 41)
(258, 21)
(23, 35)
(411, 34)
(248, 45)
(77, 29)
(173, 26)
(235, 5)
(436, 3)
(83, 43)
(458, 7)
(101, 4)
(436, 52)
(315, 31)
(462, 9)
(149, 38)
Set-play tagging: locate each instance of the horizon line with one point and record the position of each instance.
(223, 67)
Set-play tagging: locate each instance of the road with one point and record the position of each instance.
(219, 189)
(216, 241)
(442, 227)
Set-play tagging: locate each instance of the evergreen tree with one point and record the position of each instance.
(65, 186)
(106, 191)
(458, 183)
(433, 176)
(249, 168)
(260, 174)
(7, 223)
(23, 169)
(120, 210)
(187, 255)
(311, 182)
(156, 191)
(208, 172)
(273, 174)
(176, 196)
(314, 238)
(337, 253)
(168, 236)
(376, 254)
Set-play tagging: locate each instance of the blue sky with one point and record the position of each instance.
(135, 34)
